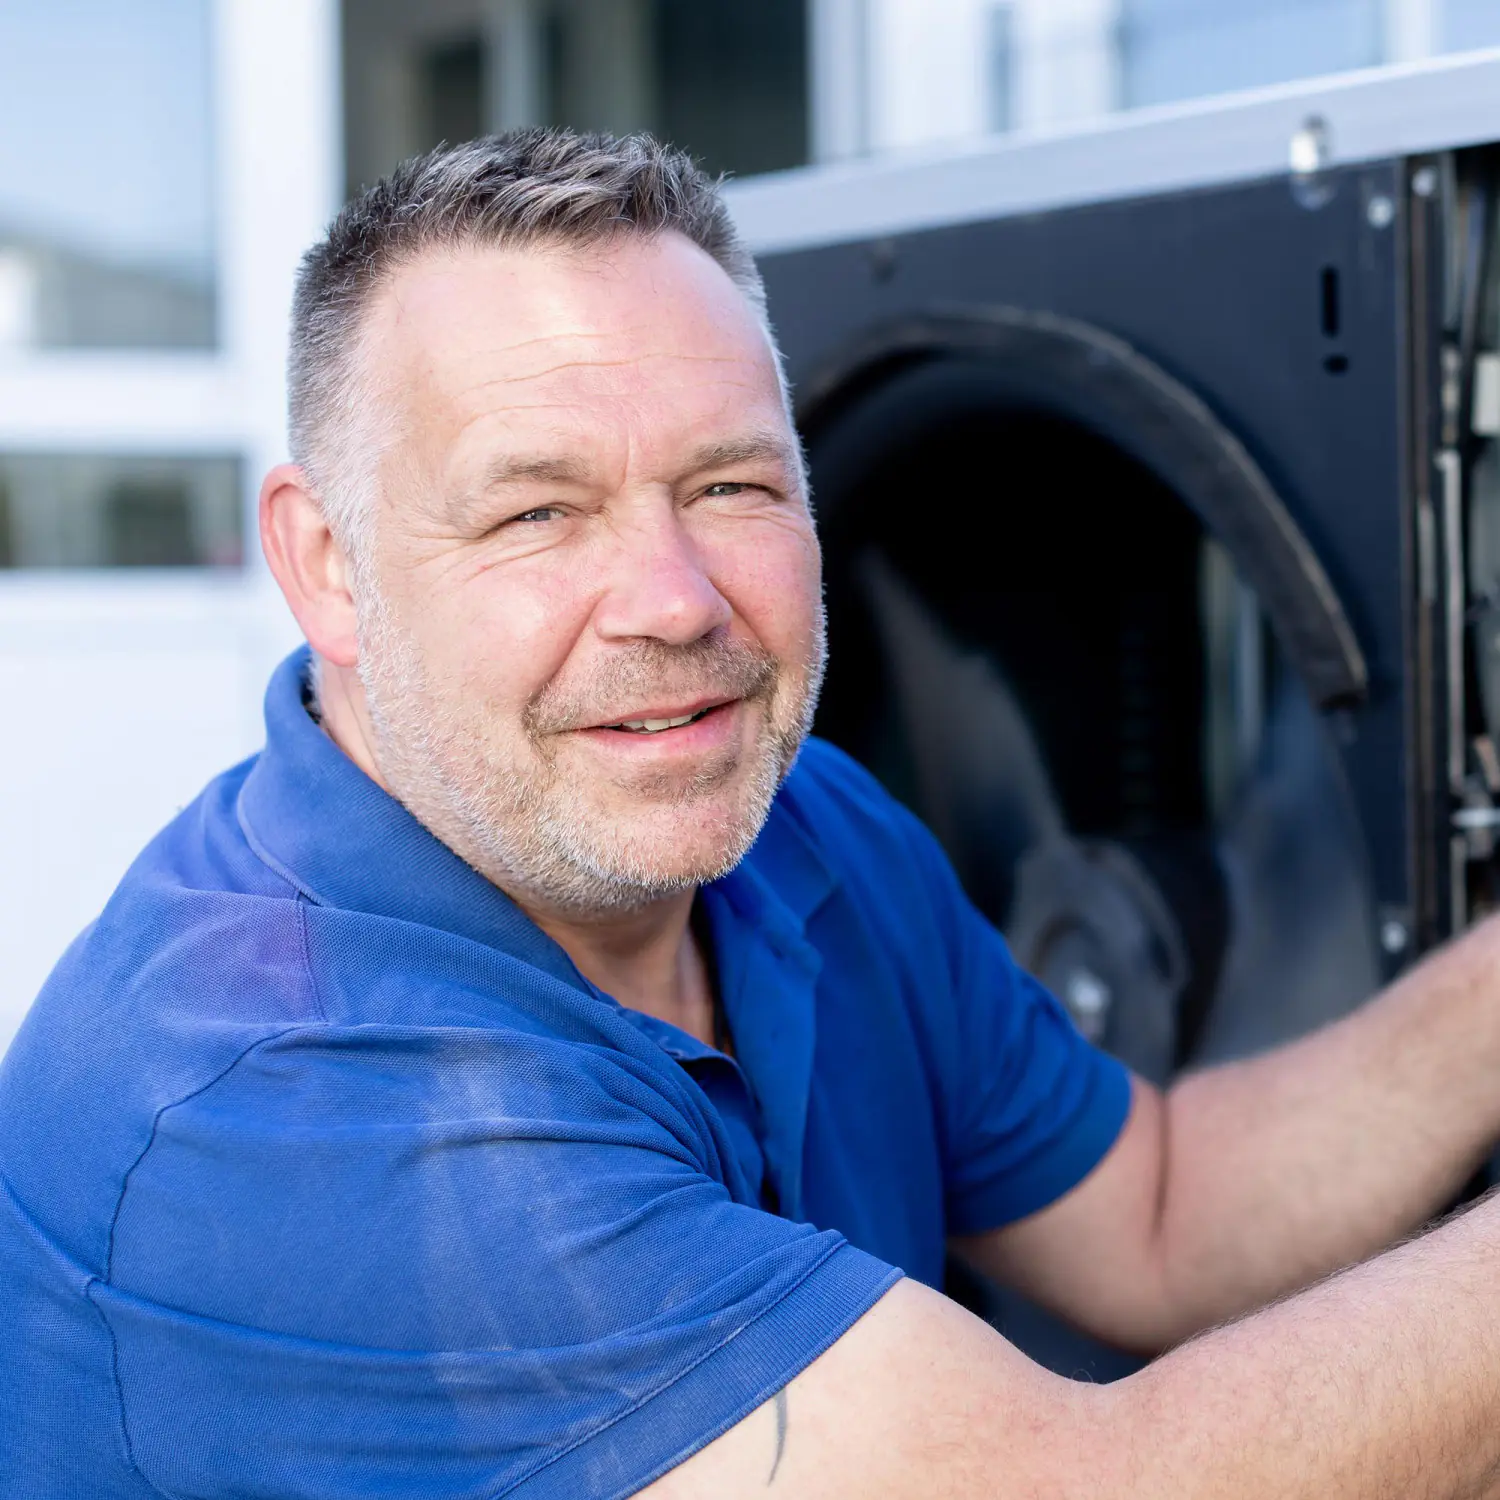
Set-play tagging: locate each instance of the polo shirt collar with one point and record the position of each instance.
(768, 975)
(311, 814)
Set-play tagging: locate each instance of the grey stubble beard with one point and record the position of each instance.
(527, 831)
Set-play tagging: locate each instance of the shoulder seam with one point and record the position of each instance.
(307, 964)
(109, 1253)
(114, 1376)
(156, 1119)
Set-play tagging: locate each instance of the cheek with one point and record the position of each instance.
(501, 636)
(772, 576)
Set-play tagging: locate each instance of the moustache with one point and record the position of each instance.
(620, 684)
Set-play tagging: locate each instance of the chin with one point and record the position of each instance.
(681, 846)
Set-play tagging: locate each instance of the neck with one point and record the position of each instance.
(647, 958)
(345, 718)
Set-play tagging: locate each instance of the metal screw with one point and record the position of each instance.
(1424, 181)
(1088, 998)
(1380, 212)
(1311, 147)
(1393, 936)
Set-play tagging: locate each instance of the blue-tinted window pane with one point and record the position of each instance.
(86, 510)
(1181, 49)
(1469, 23)
(106, 222)
(1002, 62)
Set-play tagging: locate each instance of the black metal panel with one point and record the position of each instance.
(1076, 372)
(1227, 290)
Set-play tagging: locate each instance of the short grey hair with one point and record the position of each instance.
(528, 188)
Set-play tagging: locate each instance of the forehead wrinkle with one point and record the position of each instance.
(552, 337)
(752, 441)
(564, 366)
(406, 294)
(568, 407)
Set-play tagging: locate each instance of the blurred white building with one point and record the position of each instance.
(163, 164)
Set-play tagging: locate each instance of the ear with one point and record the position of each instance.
(308, 563)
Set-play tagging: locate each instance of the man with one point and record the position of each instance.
(530, 1075)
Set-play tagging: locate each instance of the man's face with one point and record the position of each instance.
(590, 525)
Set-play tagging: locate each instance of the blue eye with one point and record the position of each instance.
(727, 488)
(541, 513)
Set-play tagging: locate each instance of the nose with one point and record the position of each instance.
(658, 586)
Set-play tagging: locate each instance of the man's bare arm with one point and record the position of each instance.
(1380, 1384)
(1251, 1179)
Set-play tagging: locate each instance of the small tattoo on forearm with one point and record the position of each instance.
(780, 1436)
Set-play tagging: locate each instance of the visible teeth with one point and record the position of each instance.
(655, 726)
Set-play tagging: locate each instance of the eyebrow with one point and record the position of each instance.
(532, 469)
(540, 468)
(752, 448)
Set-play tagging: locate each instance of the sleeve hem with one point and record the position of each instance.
(1032, 1186)
(723, 1388)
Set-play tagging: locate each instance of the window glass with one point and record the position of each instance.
(106, 223)
(724, 79)
(1001, 58)
(1469, 23)
(95, 510)
(1182, 49)
(732, 82)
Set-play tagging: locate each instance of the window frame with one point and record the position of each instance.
(277, 179)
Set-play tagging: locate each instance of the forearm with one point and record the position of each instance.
(1282, 1168)
(1384, 1381)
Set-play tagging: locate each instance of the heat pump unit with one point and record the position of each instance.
(1156, 467)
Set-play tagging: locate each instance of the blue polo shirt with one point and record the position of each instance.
(324, 1173)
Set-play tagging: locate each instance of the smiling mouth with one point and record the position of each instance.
(657, 726)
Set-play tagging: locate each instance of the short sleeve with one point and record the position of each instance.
(1032, 1106)
(456, 1262)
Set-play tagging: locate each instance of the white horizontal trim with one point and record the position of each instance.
(97, 595)
(93, 608)
(1373, 114)
(130, 403)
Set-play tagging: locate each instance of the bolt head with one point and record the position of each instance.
(1380, 212)
(1088, 998)
(1311, 147)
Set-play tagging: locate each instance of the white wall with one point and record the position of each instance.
(121, 694)
(121, 699)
